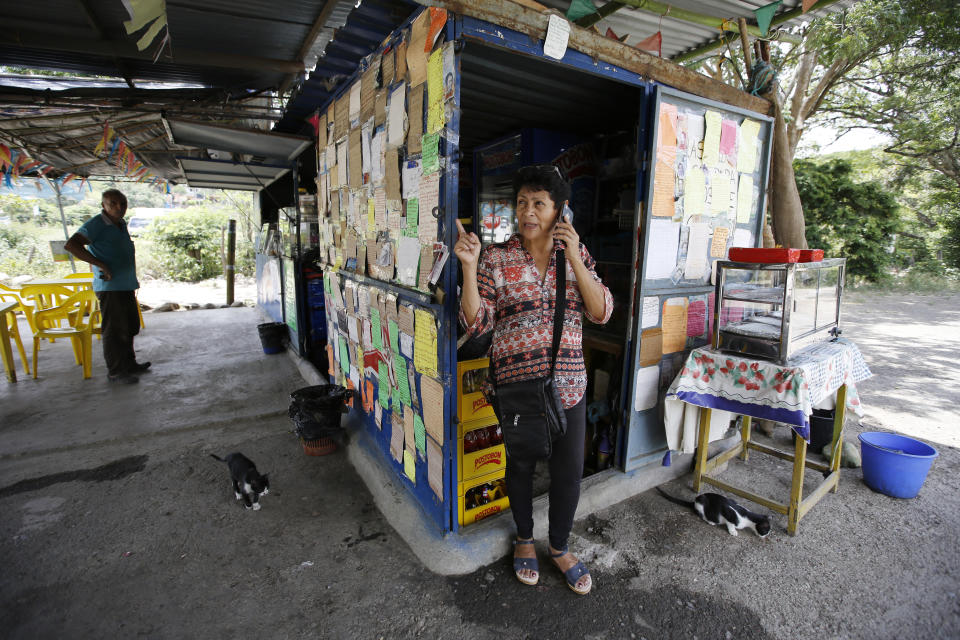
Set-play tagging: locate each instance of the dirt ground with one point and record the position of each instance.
(141, 537)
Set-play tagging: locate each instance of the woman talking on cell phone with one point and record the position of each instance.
(510, 288)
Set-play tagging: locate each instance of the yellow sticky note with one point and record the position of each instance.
(408, 467)
(371, 215)
(435, 118)
(425, 343)
(747, 149)
(711, 139)
(719, 192)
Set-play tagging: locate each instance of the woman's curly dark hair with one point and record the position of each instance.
(542, 177)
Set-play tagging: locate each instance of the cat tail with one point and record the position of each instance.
(216, 457)
(682, 503)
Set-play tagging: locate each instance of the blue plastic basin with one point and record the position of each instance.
(895, 465)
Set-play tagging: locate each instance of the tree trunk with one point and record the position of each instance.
(786, 211)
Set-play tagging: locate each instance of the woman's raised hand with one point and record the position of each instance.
(467, 248)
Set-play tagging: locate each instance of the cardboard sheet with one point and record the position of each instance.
(651, 347)
(416, 57)
(392, 170)
(432, 392)
(355, 160)
(674, 325)
(414, 119)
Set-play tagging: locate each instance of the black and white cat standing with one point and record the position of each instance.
(721, 510)
(248, 484)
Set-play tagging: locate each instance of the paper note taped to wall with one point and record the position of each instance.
(425, 343)
(558, 33)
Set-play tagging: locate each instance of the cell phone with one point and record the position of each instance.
(567, 213)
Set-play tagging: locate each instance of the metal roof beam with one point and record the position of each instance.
(122, 68)
(40, 40)
(307, 43)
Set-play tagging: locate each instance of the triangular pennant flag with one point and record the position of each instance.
(807, 4)
(611, 34)
(765, 14)
(152, 32)
(653, 44)
(70, 176)
(579, 9)
(315, 121)
(144, 12)
(4, 155)
(18, 164)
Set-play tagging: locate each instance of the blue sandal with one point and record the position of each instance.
(531, 564)
(573, 574)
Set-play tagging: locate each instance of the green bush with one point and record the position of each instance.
(25, 250)
(186, 244)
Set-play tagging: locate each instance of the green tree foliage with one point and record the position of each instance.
(187, 243)
(847, 219)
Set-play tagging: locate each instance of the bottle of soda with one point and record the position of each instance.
(470, 442)
(496, 435)
(483, 438)
(485, 495)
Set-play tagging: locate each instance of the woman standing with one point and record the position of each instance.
(511, 290)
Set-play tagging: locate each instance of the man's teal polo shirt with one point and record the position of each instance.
(111, 243)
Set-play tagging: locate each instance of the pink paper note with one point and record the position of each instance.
(728, 137)
(696, 318)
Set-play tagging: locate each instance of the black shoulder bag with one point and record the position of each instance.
(530, 412)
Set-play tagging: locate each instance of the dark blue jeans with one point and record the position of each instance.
(566, 470)
(121, 322)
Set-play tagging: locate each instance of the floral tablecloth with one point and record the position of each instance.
(763, 389)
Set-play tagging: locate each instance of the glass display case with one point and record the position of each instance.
(771, 311)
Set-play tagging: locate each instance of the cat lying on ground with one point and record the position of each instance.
(248, 484)
(721, 510)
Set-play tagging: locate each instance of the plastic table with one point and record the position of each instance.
(786, 393)
(5, 350)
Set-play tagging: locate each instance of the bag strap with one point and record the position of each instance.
(560, 305)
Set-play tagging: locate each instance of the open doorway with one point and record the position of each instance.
(519, 109)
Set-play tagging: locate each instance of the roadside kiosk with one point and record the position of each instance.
(430, 129)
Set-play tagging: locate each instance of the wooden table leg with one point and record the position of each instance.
(796, 486)
(5, 351)
(703, 441)
(745, 423)
(836, 445)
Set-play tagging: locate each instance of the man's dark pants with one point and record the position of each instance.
(120, 324)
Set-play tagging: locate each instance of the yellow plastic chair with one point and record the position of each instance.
(78, 309)
(14, 327)
(37, 297)
(90, 275)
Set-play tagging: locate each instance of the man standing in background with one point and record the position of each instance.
(104, 242)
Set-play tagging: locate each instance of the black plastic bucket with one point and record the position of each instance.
(821, 428)
(272, 336)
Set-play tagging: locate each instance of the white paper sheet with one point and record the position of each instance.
(411, 179)
(698, 248)
(408, 258)
(645, 388)
(742, 238)
(651, 312)
(662, 249)
(406, 344)
(396, 114)
(558, 33)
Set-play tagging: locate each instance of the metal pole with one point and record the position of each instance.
(231, 257)
(63, 218)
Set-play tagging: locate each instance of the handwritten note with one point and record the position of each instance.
(694, 192)
(430, 158)
(719, 192)
(396, 436)
(383, 385)
(425, 343)
(651, 312)
(393, 330)
(429, 199)
(419, 434)
(696, 318)
(435, 92)
(747, 155)
(662, 244)
(435, 468)
(674, 325)
(697, 249)
(711, 139)
(663, 190)
(651, 347)
(745, 198)
(718, 246)
(432, 392)
(375, 330)
(413, 212)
